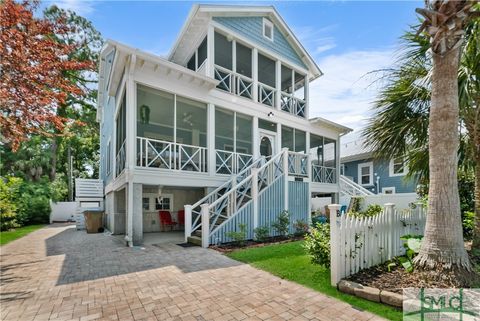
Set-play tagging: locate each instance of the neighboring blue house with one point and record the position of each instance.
(386, 176)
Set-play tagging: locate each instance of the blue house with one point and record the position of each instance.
(384, 176)
(215, 135)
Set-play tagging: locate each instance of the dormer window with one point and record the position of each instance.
(268, 29)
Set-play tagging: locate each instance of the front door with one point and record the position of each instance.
(267, 144)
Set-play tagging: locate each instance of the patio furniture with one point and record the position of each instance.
(181, 217)
(166, 220)
(343, 209)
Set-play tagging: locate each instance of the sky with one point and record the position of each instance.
(347, 39)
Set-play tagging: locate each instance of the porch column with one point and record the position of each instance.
(256, 140)
(255, 74)
(307, 152)
(137, 217)
(278, 84)
(307, 97)
(211, 159)
(278, 141)
(131, 116)
(129, 210)
(210, 64)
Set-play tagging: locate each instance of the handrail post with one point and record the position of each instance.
(254, 195)
(205, 225)
(188, 221)
(335, 264)
(285, 177)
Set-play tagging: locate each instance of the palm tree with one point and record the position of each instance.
(426, 83)
(400, 123)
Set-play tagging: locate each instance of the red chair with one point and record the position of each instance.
(181, 217)
(166, 220)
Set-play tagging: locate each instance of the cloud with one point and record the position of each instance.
(345, 92)
(81, 7)
(316, 40)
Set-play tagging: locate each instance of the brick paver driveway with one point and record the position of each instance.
(58, 273)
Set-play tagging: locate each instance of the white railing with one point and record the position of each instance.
(120, 159)
(233, 82)
(193, 212)
(297, 164)
(239, 195)
(266, 95)
(324, 174)
(292, 105)
(350, 188)
(155, 153)
(360, 243)
(203, 68)
(228, 162)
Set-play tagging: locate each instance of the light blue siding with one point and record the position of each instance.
(106, 135)
(252, 29)
(298, 203)
(271, 203)
(381, 167)
(244, 216)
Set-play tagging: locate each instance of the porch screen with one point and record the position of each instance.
(191, 122)
(294, 139)
(155, 114)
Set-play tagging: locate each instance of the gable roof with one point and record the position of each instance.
(354, 150)
(195, 29)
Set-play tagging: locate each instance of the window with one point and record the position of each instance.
(388, 190)
(146, 203)
(266, 70)
(294, 139)
(108, 165)
(198, 57)
(268, 29)
(233, 131)
(223, 51)
(244, 60)
(397, 166)
(365, 173)
(164, 202)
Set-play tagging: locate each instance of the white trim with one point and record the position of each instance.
(390, 168)
(267, 24)
(392, 189)
(342, 169)
(359, 174)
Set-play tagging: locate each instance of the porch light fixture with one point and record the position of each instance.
(270, 114)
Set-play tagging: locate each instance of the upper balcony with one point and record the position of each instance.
(243, 70)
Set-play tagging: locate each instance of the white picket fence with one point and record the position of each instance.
(360, 243)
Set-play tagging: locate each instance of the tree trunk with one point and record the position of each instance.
(476, 230)
(442, 245)
(54, 149)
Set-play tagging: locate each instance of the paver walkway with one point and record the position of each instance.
(58, 273)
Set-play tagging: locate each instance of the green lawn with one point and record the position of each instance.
(6, 237)
(290, 262)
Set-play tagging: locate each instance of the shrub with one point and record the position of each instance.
(372, 210)
(240, 236)
(317, 244)
(468, 222)
(282, 224)
(9, 187)
(34, 203)
(412, 247)
(301, 227)
(261, 234)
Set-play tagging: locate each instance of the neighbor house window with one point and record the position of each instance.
(268, 29)
(146, 203)
(397, 166)
(365, 173)
(388, 190)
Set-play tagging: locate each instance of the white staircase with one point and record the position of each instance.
(236, 199)
(350, 188)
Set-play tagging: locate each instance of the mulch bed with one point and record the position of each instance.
(229, 247)
(397, 278)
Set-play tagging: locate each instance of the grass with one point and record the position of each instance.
(289, 261)
(9, 236)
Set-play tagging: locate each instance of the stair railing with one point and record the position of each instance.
(193, 220)
(241, 194)
(349, 187)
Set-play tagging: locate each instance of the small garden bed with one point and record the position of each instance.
(232, 246)
(395, 278)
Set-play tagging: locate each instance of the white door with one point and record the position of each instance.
(267, 144)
